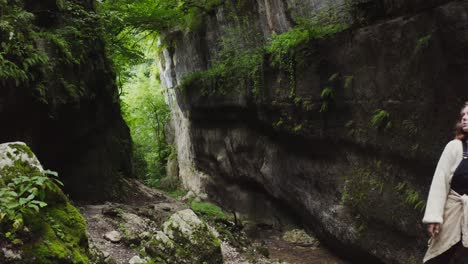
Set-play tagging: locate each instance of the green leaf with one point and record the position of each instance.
(51, 173)
(22, 201)
(30, 197)
(40, 203)
(34, 207)
(334, 76)
(18, 223)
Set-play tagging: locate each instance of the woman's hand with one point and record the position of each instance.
(433, 229)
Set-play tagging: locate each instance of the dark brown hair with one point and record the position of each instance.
(459, 133)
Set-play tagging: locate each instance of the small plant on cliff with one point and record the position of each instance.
(327, 96)
(238, 62)
(381, 120)
(411, 196)
(24, 195)
(348, 81)
(423, 42)
(284, 47)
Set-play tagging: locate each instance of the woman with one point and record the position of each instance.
(446, 213)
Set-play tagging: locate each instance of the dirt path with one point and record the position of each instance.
(296, 253)
(98, 226)
(146, 209)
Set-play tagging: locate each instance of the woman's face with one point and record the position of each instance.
(464, 119)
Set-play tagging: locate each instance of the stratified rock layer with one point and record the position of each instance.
(356, 172)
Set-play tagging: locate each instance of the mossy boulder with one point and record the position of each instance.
(38, 224)
(185, 239)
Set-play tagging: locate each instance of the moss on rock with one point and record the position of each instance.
(186, 239)
(54, 232)
(60, 236)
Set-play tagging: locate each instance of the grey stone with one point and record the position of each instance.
(299, 236)
(10, 254)
(185, 232)
(12, 152)
(113, 236)
(136, 260)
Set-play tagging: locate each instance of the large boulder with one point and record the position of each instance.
(38, 224)
(185, 239)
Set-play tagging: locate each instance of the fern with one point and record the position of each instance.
(348, 81)
(381, 119)
(327, 95)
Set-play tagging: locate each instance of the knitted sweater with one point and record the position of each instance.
(444, 206)
(440, 187)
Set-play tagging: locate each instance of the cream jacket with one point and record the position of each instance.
(444, 206)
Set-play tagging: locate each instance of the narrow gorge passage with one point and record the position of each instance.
(229, 131)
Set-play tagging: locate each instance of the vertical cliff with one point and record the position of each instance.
(338, 122)
(58, 94)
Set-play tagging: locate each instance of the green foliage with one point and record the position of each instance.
(358, 132)
(411, 196)
(18, 55)
(62, 232)
(360, 186)
(423, 42)
(20, 148)
(128, 22)
(177, 193)
(327, 95)
(146, 113)
(241, 53)
(410, 128)
(334, 77)
(24, 195)
(239, 61)
(222, 222)
(39, 59)
(381, 119)
(157, 16)
(374, 192)
(131, 30)
(348, 81)
(208, 209)
(282, 46)
(171, 185)
(226, 76)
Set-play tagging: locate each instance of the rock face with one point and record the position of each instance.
(354, 167)
(185, 239)
(58, 95)
(55, 233)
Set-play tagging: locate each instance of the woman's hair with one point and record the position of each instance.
(459, 133)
